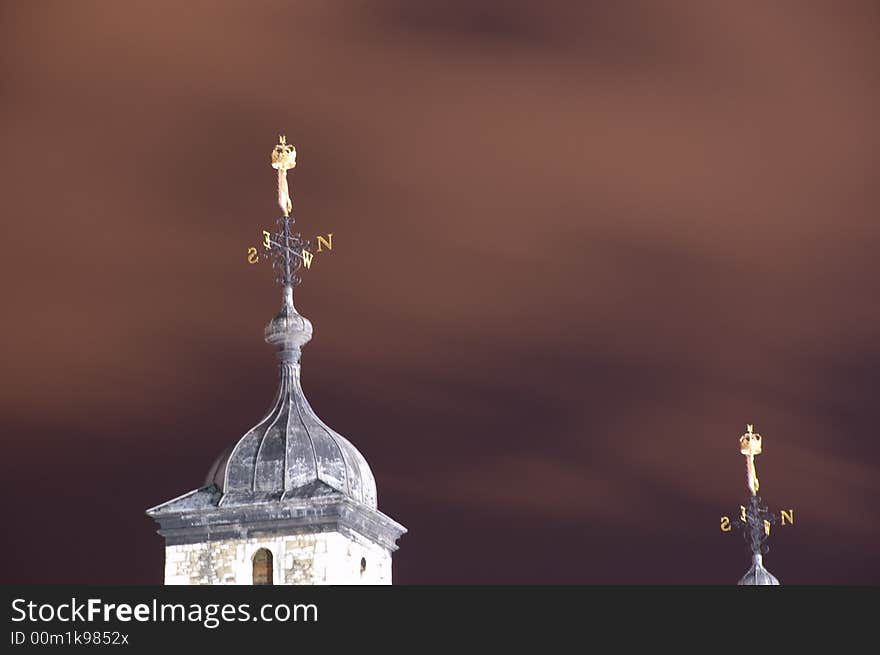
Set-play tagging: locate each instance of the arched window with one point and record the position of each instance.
(263, 566)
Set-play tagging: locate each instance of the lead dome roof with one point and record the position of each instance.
(291, 450)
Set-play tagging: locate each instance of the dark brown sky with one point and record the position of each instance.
(577, 246)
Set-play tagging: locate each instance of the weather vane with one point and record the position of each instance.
(755, 520)
(288, 251)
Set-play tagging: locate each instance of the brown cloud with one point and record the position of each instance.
(576, 248)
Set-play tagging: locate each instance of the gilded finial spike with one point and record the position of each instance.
(283, 159)
(750, 446)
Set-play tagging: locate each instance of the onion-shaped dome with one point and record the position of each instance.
(758, 575)
(291, 452)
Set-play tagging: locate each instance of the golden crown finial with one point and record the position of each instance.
(283, 155)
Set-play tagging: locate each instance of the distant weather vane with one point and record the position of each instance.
(288, 251)
(755, 520)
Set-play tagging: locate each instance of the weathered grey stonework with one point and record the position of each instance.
(290, 485)
(323, 558)
(199, 516)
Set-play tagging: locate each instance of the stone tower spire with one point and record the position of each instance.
(292, 501)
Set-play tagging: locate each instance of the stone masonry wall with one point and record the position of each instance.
(319, 558)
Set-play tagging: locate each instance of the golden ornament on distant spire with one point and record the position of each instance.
(755, 520)
(750, 446)
(283, 158)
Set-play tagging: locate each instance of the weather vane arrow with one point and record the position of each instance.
(288, 251)
(754, 519)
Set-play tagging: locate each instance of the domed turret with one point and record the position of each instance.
(292, 501)
(758, 575)
(291, 449)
